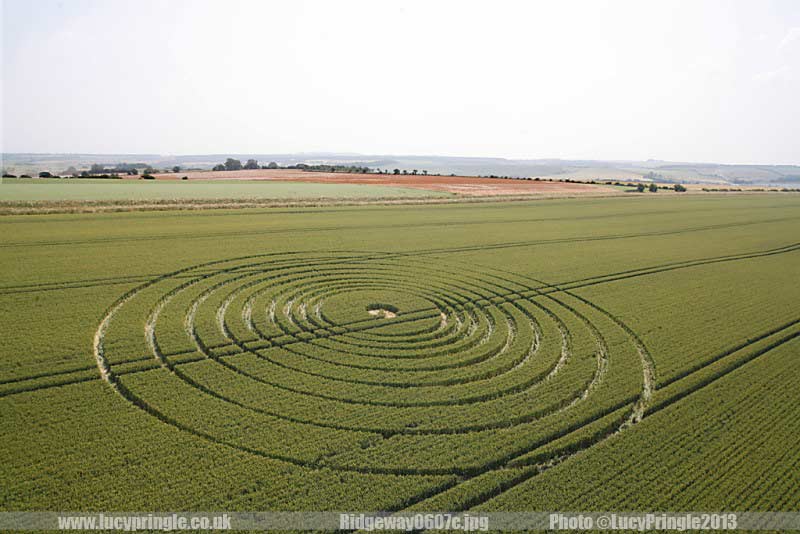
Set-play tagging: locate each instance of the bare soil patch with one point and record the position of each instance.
(385, 314)
(383, 311)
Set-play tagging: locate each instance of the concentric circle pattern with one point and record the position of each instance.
(373, 362)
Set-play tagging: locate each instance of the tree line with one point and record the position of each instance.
(232, 164)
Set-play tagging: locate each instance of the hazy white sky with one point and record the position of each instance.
(689, 81)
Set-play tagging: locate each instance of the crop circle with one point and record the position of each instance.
(345, 355)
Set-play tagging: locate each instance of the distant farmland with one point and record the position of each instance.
(265, 188)
(593, 353)
(462, 185)
(37, 189)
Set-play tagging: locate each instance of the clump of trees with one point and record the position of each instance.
(230, 164)
(98, 169)
(233, 164)
(653, 187)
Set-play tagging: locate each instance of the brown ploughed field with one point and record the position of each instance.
(463, 185)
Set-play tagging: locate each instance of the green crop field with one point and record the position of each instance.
(44, 189)
(573, 354)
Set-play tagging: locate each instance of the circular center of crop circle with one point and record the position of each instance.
(382, 311)
(350, 303)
